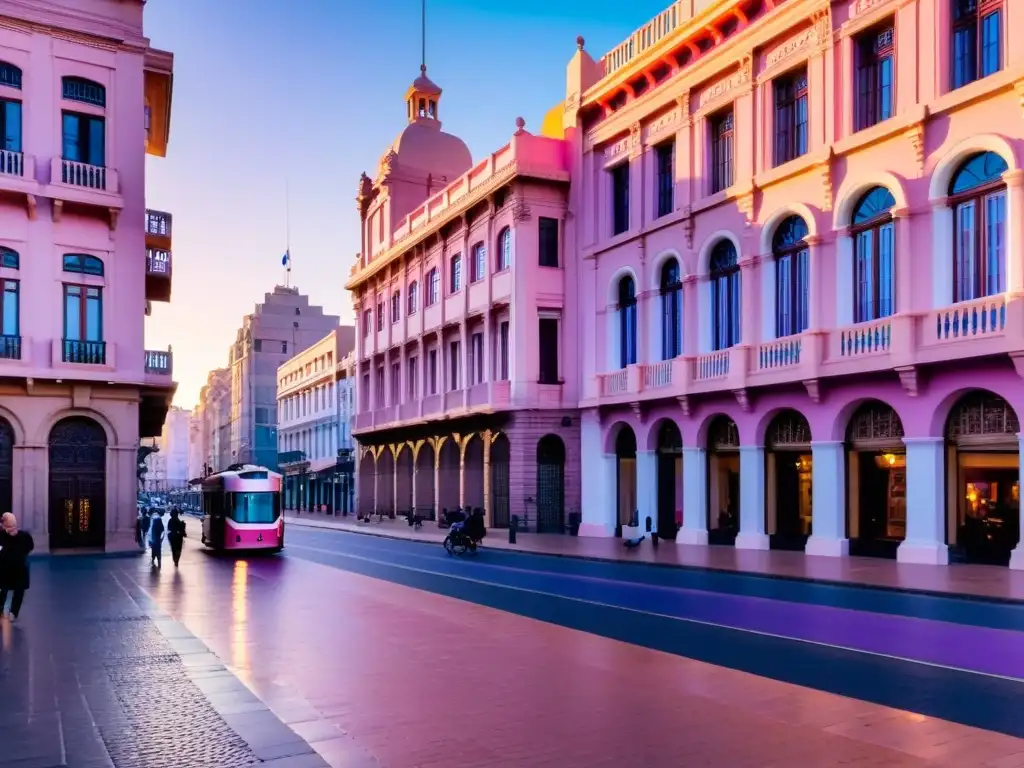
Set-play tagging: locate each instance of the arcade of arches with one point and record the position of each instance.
(876, 493)
(531, 474)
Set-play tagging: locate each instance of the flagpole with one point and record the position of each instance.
(287, 234)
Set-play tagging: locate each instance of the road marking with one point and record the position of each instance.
(698, 622)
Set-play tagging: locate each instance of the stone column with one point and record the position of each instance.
(1014, 223)
(926, 503)
(748, 300)
(695, 497)
(647, 489)
(828, 500)
(752, 535)
(599, 491)
(488, 512)
(1017, 556)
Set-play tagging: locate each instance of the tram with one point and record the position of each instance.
(242, 509)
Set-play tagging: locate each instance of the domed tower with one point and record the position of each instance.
(420, 162)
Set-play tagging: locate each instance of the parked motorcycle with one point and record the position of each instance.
(466, 535)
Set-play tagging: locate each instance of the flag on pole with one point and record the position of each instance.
(286, 260)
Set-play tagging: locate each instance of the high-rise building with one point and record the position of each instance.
(80, 259)
(167, 468)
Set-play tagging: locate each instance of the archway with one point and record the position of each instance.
(788, 481)
(367, 473)
(983, 478)
(78, 483)
(448, 477)
(550, 485)
(405, 479)
(473, 473)
(625, 475)
(6, 466)
(723, 481)
(670, 473)
(424, 480)
(876, 481)
(501, 453)
(385, 504)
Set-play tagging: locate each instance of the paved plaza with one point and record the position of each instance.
(363, 651)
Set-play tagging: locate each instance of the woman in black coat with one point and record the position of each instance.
(15, 547)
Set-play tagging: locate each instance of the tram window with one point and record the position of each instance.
(213, 504)
(254, 507)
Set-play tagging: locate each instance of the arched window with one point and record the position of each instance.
(413, 299)
(9, 259)
(627, 321)
(504, 249)
(671, 310)
(978, 196)
(725, 296)
(792, 273)
(83, 264)
(433, 286)
(478, 268)
(10, 75)
(455, 273)
(874, 256)
(86, 91)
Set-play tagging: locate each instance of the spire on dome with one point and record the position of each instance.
(423, 95)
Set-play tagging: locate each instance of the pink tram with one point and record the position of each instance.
(242, 509)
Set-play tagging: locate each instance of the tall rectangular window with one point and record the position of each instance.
(380, 387)
(396, 383)
(84, 138)
(364, 395)
(10, 313)
(432, 371)
(454, 349)
(666, 177)
(503, 369)
(413, 377)
(547, 344)
(433, 287)
(547, 236)
(367, 321)
(396, 307)
(620, 198)
(455, 273)
(790, 116)
(83, 313)
(479, 262)
(380, 314)
(476, 351)
(10, 126)
(875, 75)
(977, 40)
(721, 151)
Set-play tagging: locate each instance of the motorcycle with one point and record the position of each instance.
(466, 535)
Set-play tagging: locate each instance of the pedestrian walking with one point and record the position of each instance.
(176, 535)
(141, 524)
(15, 546)
(156, 538)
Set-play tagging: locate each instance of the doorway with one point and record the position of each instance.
(550, 485)
(78, 492)
(983, 479)
(723, 482)
(788, 481)
(670, 472)
(625, 477)
(876, 481)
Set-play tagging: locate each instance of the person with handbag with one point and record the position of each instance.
(15, 547)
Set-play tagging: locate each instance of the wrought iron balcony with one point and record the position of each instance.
(158, 224)
(158, 274)
(83, 175)
(159, 362)
(10, 347)
(12, 163)
(84, 352)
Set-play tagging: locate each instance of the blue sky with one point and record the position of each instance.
(264, 95)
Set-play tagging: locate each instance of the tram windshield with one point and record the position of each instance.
(261, 507)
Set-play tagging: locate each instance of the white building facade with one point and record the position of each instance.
(314, 406)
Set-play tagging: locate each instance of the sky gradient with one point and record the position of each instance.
(265, 98)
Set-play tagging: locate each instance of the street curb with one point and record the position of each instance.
(992, 600)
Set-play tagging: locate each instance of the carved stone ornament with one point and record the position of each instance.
(915, 135)
(747, 68)
(821, 20)
(638, 411)
(688, 226)
(635, 143)
(683, 105)
(387, 163)
(520, 210)
(742, 399)
(684, 404)
(745, 205)
(909, 380)
(827, 191)
(813, 387)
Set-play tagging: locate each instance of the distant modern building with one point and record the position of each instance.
(84, 98)
(314, 433)
(168, 468)
(465, 297)
(239, 403)
(195, 445)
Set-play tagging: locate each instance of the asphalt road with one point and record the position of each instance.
(955, 659)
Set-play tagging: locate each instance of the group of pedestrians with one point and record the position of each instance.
(150, 530)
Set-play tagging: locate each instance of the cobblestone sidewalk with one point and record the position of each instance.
(94, 676)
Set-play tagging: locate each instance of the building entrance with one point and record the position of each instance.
(876, 481)
(723, 481)
(788, 481)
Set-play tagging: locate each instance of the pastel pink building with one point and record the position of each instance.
(796, 228)
(465, 298)
(83, 98)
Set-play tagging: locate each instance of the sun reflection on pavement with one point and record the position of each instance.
(240, 620)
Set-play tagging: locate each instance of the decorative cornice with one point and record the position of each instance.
(915, 135)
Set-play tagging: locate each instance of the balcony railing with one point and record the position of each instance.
(158, 223)
(10, 347)
(158, 262)
(84, 352)
(83, 175)
(159, 362)
(12, 163)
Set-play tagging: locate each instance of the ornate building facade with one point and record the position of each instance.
(80, 259)
(801, 271)
(465, 297)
